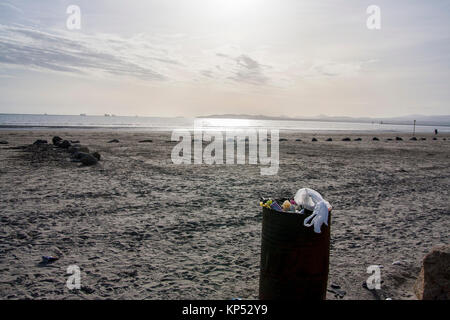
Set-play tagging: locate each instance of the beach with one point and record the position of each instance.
(140, 227)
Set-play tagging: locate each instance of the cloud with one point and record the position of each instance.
(140, 57)
(152, 58)
(10, 6)
(7, 6)
(84, 54)
(334, 69)
(230, 64)
(242, 68)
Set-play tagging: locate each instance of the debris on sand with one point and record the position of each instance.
(335, 286)
(413, 139)
(146, 141)
(313, 139)
(113, 141)
(48, 259)
(338, 293)
(375, 139)
(3, 142)
(329, 139)
(398, 139)
(347, 139)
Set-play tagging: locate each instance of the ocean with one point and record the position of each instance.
(41, 121)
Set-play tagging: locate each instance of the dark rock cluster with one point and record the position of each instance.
(78, 152)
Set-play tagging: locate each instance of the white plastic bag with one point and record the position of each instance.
(313, 201)
(318, 217)
(308, 198)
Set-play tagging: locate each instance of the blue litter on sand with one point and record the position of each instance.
(49, 259)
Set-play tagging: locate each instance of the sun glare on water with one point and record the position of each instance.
(221, 124)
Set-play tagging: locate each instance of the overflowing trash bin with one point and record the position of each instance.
(295, 247)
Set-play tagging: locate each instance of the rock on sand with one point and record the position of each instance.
(65, 144)
(56, 140)
(78, 148)
(433, 282)
(39, 141)
(86, 158)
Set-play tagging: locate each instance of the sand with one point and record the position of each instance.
(140, 227)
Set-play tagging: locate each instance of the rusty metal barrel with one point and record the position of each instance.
(294, 259)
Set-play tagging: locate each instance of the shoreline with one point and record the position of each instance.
(159, 130)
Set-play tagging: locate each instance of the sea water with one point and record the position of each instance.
(44, 121)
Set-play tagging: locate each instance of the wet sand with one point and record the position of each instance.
(140, 227)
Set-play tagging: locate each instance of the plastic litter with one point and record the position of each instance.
(308, 198)
(304, 199)
(312, 200)
(276, 206)
(318, 217)
(49, 259)
(286, 205)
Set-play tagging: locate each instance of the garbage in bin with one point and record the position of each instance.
(288, 206)
(305, 198)
(295, 257)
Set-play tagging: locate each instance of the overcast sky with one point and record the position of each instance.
(200, 57)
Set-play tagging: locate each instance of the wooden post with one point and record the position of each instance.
(414, 130)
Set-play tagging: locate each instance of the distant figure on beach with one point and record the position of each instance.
(435, 131)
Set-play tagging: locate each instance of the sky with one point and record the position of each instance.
(201, 57)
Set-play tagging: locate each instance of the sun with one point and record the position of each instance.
(232, 8)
